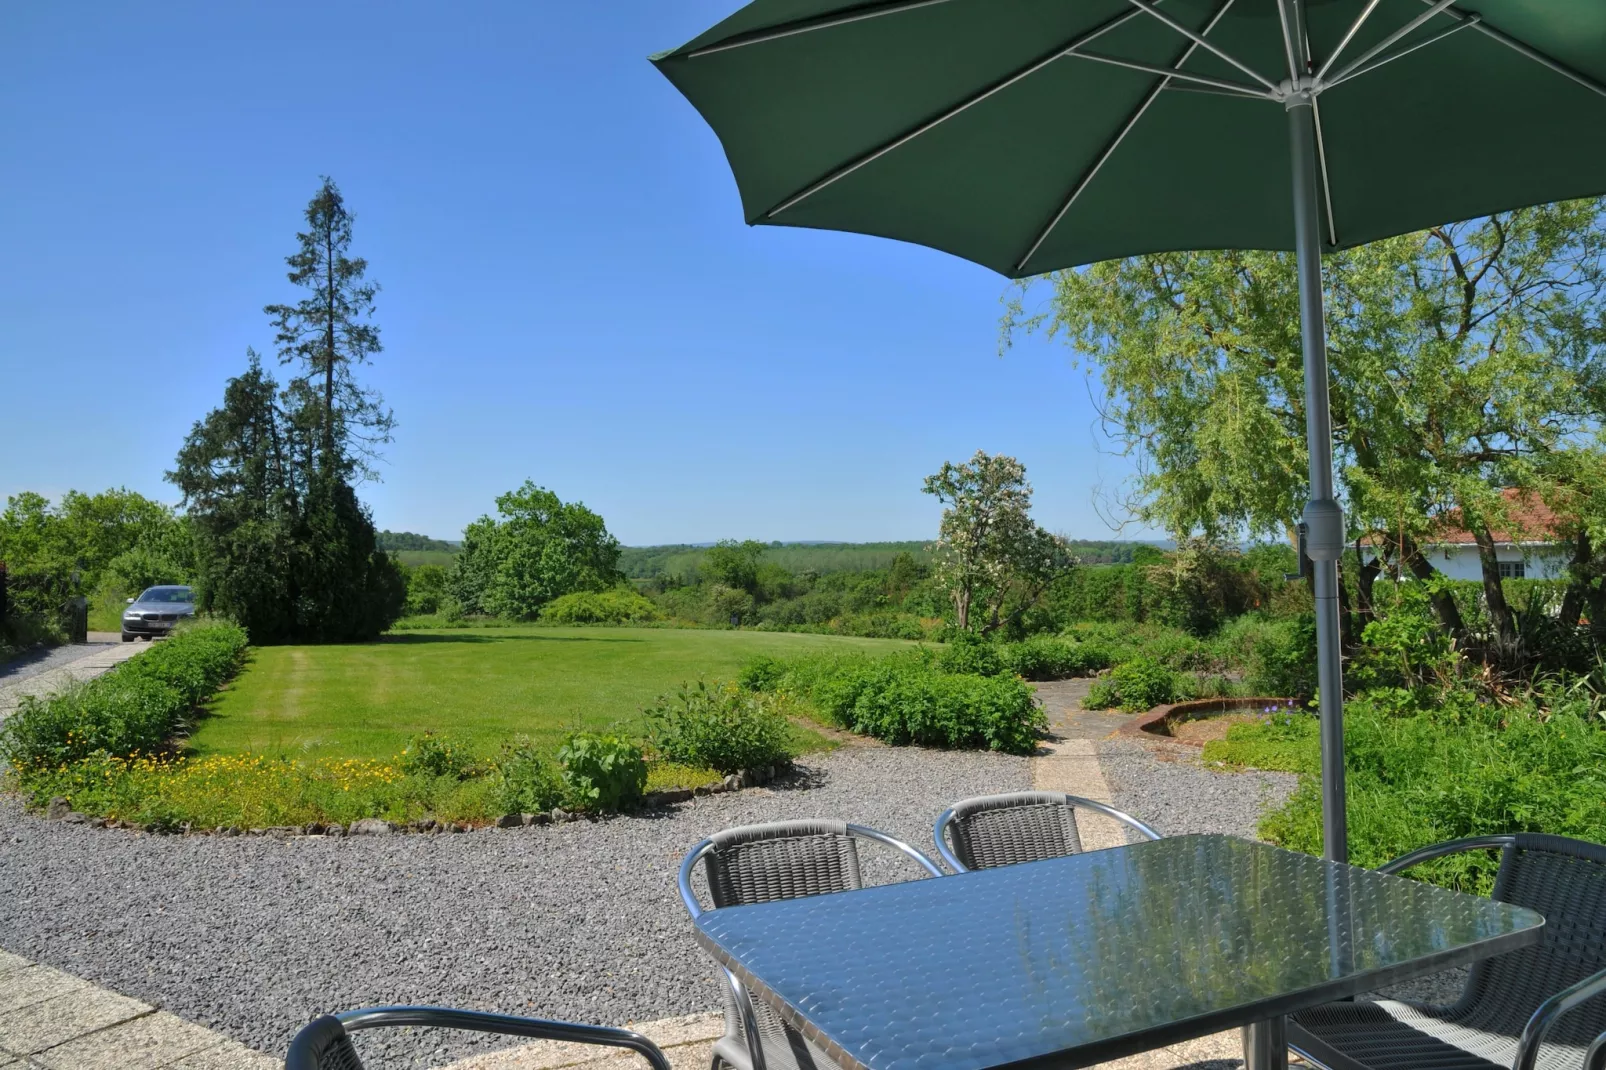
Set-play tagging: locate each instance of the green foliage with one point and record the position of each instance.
(428, 754)
(991, 556)
(967, 652)
(1279, 656)
(762, 674)
(427, 591)
(407, 540)
(1419, 775)
(906, 699)
(540, 549)
(734, 564)
(1139, 684)
(1047, 657)
(721, 727)
(133, 710)
(529, 782)
(602, 771)
(621, 605)
(282, 545)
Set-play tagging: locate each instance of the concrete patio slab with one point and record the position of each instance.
(34, 984)
(66, 1017)
(229, 1055)
(148, 1043)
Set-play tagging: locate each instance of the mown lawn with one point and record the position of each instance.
(483, 686)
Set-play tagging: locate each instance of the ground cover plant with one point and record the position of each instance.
(908, 698)
(483, 685)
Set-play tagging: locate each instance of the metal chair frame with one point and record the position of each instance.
(939, 832)
(304, 1056)
(744, 1000)
(1546, 1014)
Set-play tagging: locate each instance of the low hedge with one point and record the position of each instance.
(907, 698)
(132, 711)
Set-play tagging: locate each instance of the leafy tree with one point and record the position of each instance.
(281, 544)
(734, 564)
(990, 552)
(94, 535)
(1464, 359)
(540, 549)
(329, 333)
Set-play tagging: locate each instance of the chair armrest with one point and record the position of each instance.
(1448, 847)
(1533, 1034)
(506, 1024)
(1595, 1057)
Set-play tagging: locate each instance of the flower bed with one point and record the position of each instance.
(1176, 721)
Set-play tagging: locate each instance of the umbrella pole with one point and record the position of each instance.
(1323, 520)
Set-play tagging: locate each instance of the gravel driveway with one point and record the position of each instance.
(252, 936)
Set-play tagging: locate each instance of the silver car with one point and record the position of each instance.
(157, 611)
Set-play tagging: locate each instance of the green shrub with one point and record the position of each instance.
(1047, 657)
(134, 710)
(1418, 775)
(618, 606)
(528, 783)
(968, 653)
(762, 673)
(1135, 685)
(602, 771)
(428, 754)
(1283, 659)
(905, 698)
(721, 727)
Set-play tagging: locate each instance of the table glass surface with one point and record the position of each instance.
(1072, 960)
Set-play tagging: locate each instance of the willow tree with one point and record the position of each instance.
(1465, 359)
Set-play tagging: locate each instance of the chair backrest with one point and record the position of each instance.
(781, 860)
(322, 1045)
(1565, 880)
(1022, 826)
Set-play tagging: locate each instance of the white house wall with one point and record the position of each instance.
(1461, 562)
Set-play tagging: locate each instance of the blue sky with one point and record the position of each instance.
(569, 292)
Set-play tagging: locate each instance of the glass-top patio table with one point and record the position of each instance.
(1078, 960)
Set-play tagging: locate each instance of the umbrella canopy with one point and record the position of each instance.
(1032, 135)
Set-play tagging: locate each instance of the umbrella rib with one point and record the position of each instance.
(1115, 143)
(1198, 39)
(1237, 89)
(1388, 42)
(791, 29)
(1392, 56)
(1527, 50)
(969, 102)
(1321, 161)
(1355, 28)
(1295, 68)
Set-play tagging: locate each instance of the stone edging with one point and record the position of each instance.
(61, 810)
(1192, 710)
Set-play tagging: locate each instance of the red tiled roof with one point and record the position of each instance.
(1535, 522)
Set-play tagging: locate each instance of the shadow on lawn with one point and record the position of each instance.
(436, 637)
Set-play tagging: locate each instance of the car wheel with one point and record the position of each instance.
(128, 638)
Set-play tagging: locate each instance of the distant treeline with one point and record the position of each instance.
(408, 540)
(653, 562)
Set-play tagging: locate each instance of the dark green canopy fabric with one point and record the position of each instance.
(1507, 108)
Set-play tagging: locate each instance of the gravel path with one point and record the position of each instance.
(1180, 795)
(252, 936)
(44, 659)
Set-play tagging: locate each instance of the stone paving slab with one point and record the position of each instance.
(147, 1043)
(51, 1020)
(23, 988)
(87, 1009)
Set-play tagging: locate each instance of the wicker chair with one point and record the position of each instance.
(1541, 1007)
(1023, 826)
(324, 1043)
(759, 864)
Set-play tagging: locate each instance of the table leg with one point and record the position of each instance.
(1266, 1045)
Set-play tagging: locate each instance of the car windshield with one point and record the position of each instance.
(167, 594)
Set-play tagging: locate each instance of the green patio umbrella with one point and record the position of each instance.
(1031, 135)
